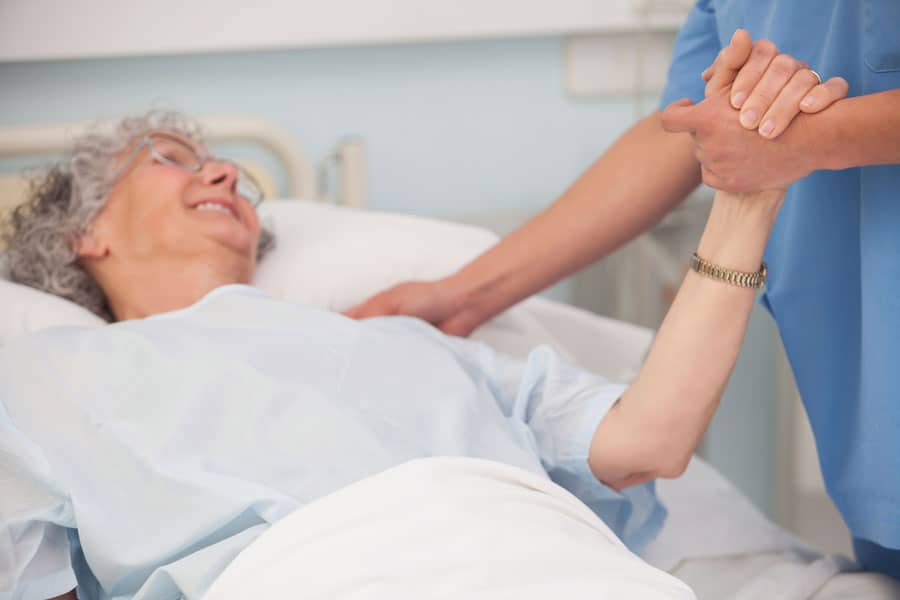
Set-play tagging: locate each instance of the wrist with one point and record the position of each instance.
(826, 140)
(738, 228)
(745, 211)
(462, 291)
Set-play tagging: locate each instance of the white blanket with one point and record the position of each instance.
(444, 528)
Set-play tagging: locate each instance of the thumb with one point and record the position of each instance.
(679, 116)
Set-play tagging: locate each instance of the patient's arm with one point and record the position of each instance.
(655, 427)
(69, 596)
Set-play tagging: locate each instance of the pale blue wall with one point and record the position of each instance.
(453, 130)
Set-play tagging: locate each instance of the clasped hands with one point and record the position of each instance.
(751, 132)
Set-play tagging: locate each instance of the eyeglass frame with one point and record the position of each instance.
(202, 159)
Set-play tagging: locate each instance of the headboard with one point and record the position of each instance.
(348, 161)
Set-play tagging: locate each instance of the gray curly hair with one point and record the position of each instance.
(40, 234)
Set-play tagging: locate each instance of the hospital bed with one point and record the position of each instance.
(332, 253)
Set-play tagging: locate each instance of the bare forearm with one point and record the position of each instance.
(637, 181)
(856, 132)
(657, 425)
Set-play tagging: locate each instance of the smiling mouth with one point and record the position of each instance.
(215, 207)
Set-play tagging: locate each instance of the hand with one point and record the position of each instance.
(736, 159)
(768, 87)
(431, 301)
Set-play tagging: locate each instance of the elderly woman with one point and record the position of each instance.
(145, 455)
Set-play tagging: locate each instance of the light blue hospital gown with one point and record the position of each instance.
(143, 456)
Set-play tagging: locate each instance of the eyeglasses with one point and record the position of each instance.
(171, 150)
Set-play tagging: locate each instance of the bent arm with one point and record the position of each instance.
(655, 427)
(632, 186)
(858, 132)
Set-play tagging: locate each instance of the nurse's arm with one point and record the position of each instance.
(655, 427)
(857, 132)
(611, 203)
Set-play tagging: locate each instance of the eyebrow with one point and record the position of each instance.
(199, 148)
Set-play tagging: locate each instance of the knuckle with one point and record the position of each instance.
(762, 98)
(765, 48)
(806, 78)
(838, 85)
(783, 65)
(818, 93)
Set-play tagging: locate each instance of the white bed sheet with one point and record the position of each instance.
(444, 527)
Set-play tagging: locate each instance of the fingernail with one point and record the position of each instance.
(767, 128)
(808, 102)
(737, 100)
(748, 118)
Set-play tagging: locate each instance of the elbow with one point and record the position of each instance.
(639, 465)
(671, 458)
(624, 454)
(672, 469)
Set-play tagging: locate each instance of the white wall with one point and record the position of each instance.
(50, 29)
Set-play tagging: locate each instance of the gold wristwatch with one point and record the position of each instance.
(738, 278)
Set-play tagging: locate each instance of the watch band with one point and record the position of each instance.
(738, 278)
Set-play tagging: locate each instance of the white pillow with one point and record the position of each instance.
(23, 310)
(336, 257)
(325, 256)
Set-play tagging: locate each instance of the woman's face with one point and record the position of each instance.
(158, 212)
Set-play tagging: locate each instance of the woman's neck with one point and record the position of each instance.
(140, 293)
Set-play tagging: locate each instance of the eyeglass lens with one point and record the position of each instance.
(185, 156)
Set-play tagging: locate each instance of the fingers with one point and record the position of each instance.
(373, 307)
(679, 116)
(728, 63)
(460, 326)
(824, 95)
(357, 312)
(710, 71)
(779, 72)
(745, 82)
(787, 105)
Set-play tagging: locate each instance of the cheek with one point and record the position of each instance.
(251, 218)
(153, 212)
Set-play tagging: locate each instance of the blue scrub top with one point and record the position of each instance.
(834, 255)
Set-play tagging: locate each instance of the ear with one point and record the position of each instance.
(88, 246)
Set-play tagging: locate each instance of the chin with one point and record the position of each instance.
(240, 241)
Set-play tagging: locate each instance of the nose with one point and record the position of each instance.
(220, 172)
